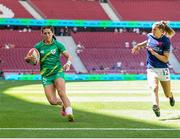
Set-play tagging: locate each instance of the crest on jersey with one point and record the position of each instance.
(53, 51)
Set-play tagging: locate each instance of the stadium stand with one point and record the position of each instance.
(106, 39)
(70, 9)
(22, 39)
(147, 10)
(13, 61)
(14, 49)
(17, 8)
(176, 45)
(105, 61)
(105, 50)
(101, 54)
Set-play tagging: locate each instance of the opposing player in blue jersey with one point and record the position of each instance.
(158, 49)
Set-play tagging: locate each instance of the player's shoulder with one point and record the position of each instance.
(38, 45)
(149, 35)
(166, 38)
(60, 46)
(58, 43)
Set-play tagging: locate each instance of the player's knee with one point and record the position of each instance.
(52, 101)
(61, 93)
(154, 87)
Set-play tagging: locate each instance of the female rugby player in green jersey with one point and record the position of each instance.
(52, 71)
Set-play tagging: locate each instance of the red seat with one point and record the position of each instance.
(17, 8)
(106, 49)
(70, 9)
(149, 10)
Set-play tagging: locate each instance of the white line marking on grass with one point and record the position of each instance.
(116, 99)
(92, 129)
(101, 99)
(91, 91)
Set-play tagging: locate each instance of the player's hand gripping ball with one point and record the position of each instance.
(33, 56)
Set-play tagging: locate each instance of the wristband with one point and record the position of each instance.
(69, 63)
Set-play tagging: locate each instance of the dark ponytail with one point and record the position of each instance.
(54, 37)
(168, 31)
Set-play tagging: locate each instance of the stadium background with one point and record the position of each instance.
(99, 35)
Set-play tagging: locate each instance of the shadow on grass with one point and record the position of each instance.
(171, 118)
(15, 113)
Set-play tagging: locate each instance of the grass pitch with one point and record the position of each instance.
(102, 109)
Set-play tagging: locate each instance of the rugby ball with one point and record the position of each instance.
(33, 52)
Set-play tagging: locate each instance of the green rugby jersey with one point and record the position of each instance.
(50, 57)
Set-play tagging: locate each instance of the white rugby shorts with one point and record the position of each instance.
(162, 74)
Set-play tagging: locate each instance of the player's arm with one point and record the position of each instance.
(164, 58)
(136, 48)
(67, 66)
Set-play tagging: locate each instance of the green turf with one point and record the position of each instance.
(23, 105)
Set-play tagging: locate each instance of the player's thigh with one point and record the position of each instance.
(60, 85)
(164, 77)
(59, 82)
(152, 79)
(163, 74)
(50, 92)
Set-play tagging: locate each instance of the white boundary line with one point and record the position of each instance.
(91, 129)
